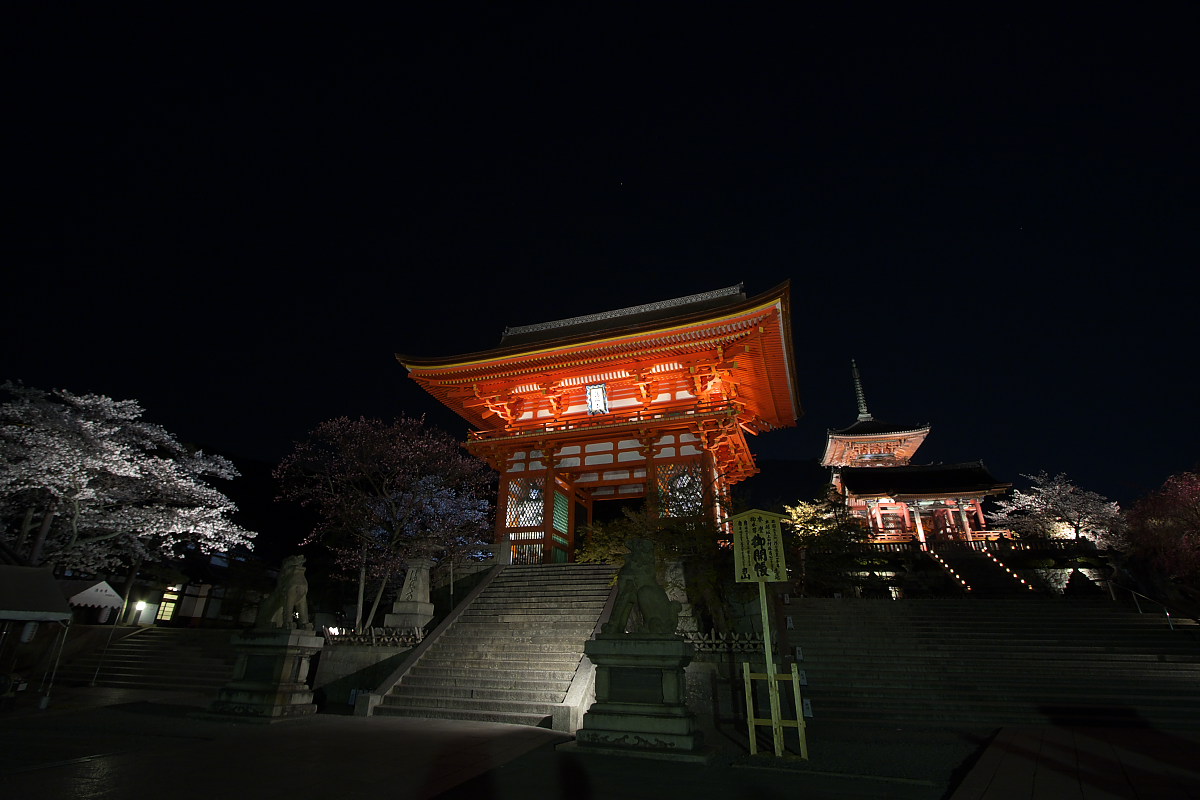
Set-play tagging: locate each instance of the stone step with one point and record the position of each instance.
(534, 619)
(536, 720)
(516, 662)
(498, 648)
(529, 672)
(1058, 714)
(991, 651)
(1058, 671)
(468, 704)
(509, 605)
(484, 682)
(487, 628)
(515, 635)
(408, 691)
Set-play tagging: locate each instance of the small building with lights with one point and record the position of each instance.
(651, 402)
(904, 502)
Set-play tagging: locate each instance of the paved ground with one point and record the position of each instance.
(104, 743)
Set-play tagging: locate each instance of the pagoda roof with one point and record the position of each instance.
(875, 427)
(921, 480)
(622, 318)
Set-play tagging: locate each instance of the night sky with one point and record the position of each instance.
(238, 219)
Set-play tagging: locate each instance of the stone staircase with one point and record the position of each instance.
(512, 654)
(1026, 660)
(158, 658)
(981, 571)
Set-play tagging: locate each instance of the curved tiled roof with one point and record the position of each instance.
(622, 317)
(875, 427)
(922, 479)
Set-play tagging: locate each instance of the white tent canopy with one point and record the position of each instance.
(90, 594)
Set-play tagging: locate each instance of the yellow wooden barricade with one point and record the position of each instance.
(776, 720)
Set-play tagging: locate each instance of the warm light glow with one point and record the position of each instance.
(141, 605)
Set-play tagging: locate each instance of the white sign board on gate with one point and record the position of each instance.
(758, 547)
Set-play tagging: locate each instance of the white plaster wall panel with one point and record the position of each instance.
(629, 455)
(663, 397)
(628, 444)
(666, 438)
(603, 458)
(598, 447)
(587, 477)
(689, 450)
(536, 465)
(569, 450)
(568, 462)
(580, 408)
(624, 402)
(616, 474)
(517, 467)
(535, 454)
(688, 437)
(635, 488)
(666, 452)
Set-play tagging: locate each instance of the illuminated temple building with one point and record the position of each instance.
(651, 402)
(901, 501)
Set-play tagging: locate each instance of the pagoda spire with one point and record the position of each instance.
(863, 414)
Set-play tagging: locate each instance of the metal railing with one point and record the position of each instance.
(1138, 598)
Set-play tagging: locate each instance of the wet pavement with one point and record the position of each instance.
(108, 743)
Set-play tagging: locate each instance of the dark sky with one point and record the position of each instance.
(237, 219)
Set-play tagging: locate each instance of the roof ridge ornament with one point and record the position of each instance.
(863, 414)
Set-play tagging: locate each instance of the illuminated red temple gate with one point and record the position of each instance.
(651, 402)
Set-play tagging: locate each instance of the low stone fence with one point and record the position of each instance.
(375, 637)
(714, 643)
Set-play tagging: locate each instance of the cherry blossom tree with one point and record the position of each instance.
(1055, 507)
(386, 493)
(87, 484)
(1164, 534)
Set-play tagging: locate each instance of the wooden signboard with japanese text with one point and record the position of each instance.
(758, 548)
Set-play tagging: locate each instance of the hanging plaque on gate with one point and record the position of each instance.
(758, 547)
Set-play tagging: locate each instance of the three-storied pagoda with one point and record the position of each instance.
(651, 402)
(901, 501)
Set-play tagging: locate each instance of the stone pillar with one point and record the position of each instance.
(270, 678)
(412, 609)
(916, 512)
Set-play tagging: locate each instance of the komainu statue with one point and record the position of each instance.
(637, 588)
(289, 600)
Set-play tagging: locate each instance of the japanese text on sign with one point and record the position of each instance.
(758, 548)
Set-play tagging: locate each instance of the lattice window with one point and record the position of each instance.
(527, 553)
(525, 507)
(562, 513)
(680, 489)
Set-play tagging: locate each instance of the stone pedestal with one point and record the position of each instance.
(270, 676)
(412, 608)
(641, 699)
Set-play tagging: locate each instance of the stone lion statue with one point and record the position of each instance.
(637, 588)
(290, 595)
